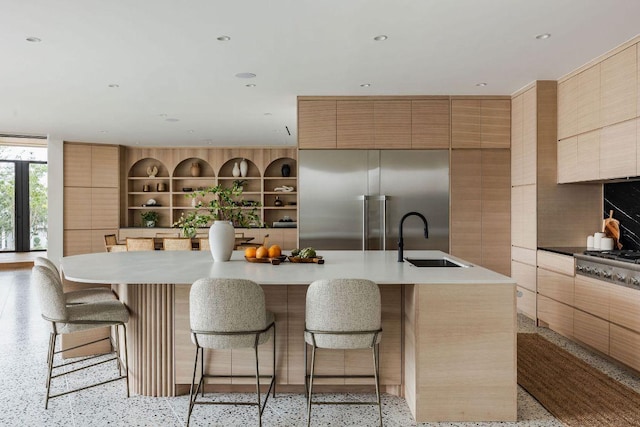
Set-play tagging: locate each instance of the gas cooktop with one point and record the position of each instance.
(618, 255)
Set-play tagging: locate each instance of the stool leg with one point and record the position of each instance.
(260, 407)
(52, 349)
(273, 394)
(126, 356)
(377, 379)
(313, 363)
(192, 395)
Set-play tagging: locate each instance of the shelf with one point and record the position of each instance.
(149, 207)
(234, 178)
(278, 193)
(194, 178)
(139, 178)
(281, 177)
(276, 208)
(150, 193)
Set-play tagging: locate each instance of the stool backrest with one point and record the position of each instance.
(50, 294)
(140, 244)
(176, 244)
(45, 262)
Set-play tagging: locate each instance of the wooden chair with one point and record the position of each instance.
(117, 248)
(140, 244)
(204, 244)
(163, 235)
(110, 240)
(246, 245)
(176, 244)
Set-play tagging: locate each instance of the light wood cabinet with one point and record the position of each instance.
(526, 302)
(568, 108)
(588, 103)
(591, 330)
(317, 124)
(588, 162)
(523, 216)
(592, 296)
(568, 160)
(480, 123)
(618, 156)
(556, 315)
(496, 210)
(517, 144)
(624, 307)
(619, 91)
(524, 275)
(556, 286)
(430, 124)
(624, 345)
(355, 124)
(392, 124)
(530, 135)
(562, 264)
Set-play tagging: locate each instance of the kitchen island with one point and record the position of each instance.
(448, 346)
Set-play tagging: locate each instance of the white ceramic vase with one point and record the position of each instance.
(222, 238)
(236, 170)
(244, 168)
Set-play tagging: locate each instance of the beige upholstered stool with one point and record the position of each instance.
(342, 314)
(229, 313)
(176, 244)
(66, 318)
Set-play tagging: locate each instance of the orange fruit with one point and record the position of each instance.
(262, 252)
(250, 252)
(275, 251)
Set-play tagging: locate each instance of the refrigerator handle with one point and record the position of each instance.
(365, 220)
(383, 200)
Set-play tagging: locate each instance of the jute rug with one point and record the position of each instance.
(573, 391)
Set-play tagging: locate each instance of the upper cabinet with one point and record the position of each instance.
(480, 123)
(392, 124)
(317, 124)
(355, 124)
(619, 93)
(523, 133)
(568, 108)
(430, 124)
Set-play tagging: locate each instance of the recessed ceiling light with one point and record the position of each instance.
(171, 119)
(543, 36)
(113, 85)
(365, 85)
(104, 131)
(162, 115)
(34, 39)
(268, 114)
(245, 75)
(481, 84)
(250, 85)
(224, 38)
(380, 38)
(191, 131)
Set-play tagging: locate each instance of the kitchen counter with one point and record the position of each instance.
(564, 250)
(448, 344)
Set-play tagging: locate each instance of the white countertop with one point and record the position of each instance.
(178, 267)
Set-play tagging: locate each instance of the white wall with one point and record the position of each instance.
(55, 193)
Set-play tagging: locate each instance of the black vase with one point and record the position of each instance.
(286, 170)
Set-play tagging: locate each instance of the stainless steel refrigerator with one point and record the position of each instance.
(354, 199)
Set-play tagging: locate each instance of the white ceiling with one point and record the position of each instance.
(165, 58)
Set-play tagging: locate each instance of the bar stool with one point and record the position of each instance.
(83, 296)
(342, 314)
(176, 244)
(73, 318)
(204, 244)
(229, 313)
(140, 244)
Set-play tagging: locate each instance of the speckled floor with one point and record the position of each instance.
(23, 343)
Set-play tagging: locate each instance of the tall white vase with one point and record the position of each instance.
(222, 238)
(236, 170)
(244, 168)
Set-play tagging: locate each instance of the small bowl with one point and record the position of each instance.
(187, 189)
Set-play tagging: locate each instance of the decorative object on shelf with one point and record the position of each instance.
(146, 188)
(152, 171)
(149, 218)
(190, 226)
(277, 202)
(195, 203)
(284, 189)
(195, 169)
(222, 239)
(286, 170)
(240, 183)
(244, 167)
(187, 189)
(161, 187)
(236, 170)
(151, 202)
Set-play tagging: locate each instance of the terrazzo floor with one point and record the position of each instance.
(23, 344)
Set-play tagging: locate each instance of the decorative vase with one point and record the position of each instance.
(222, 239)
(286, 170)
(236, 170)
(150, 224)
(195, 169)
(278, 202)
(244, 167)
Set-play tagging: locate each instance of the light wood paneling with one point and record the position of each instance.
(529, 136)
(77, 242)
(558, 263)
(77, 208)
(589, 99)
(529, 215)
(556, 286)
(524, 255)
(517, 218)
(104, 161)
(317, 124)
(568, 160)
(466, 205)
(392, 124)
(496, 123)
(466, 123)
(104, 208)
(526, 302)
(591, 330)
(558, 316)
(517, 147)
(625, 346)
(588, 163)
(496, 211)
(592, 296)
(625, 307)
(355, 124)
(430, 124)
(524, 275)
(77, 165)
(619, 87)
(568, 108)
(618, 150)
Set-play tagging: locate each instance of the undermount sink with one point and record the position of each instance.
(441, 262)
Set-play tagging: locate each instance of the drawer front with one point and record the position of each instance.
(524, 275)
(562, 264)
(625, 346)
(557, 315)
(624, 307)
(526, 302)
(592, 296)
(591, 330)
(523, 255)
(556, 286)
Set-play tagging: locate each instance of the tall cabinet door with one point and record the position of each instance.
(466, 205)
(496, 211)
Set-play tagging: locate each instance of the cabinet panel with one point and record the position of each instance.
(77, 165)
(568, 160)
(618, 150)
(524, 255)
(589, 99)
(526, 302)
(556, 286)
(592, 296)
(591, 331)
(355, 124)
(529, 216)
(496, 211)
(517, 149)
(557, 315)
(317, 124)
(524, 275)
(77, 242)
(392, 124)
(104, 166)
(466, 123)
(496, 123)
(517, 219)
(588, 164)
(466, 205)
(104, 208)
(529, 137)
(77, 208)
(563, 264)
(625, 346)
(568, 108)
(625, 307)
(430, 123)
(619, 86)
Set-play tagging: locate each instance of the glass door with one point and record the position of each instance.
(7, 206)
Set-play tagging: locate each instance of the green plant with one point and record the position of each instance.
(220, 204)
(149, 216)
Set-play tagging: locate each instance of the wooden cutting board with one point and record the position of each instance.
(611, 227)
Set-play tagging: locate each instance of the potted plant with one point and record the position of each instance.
(149, 218)
(240, 183)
